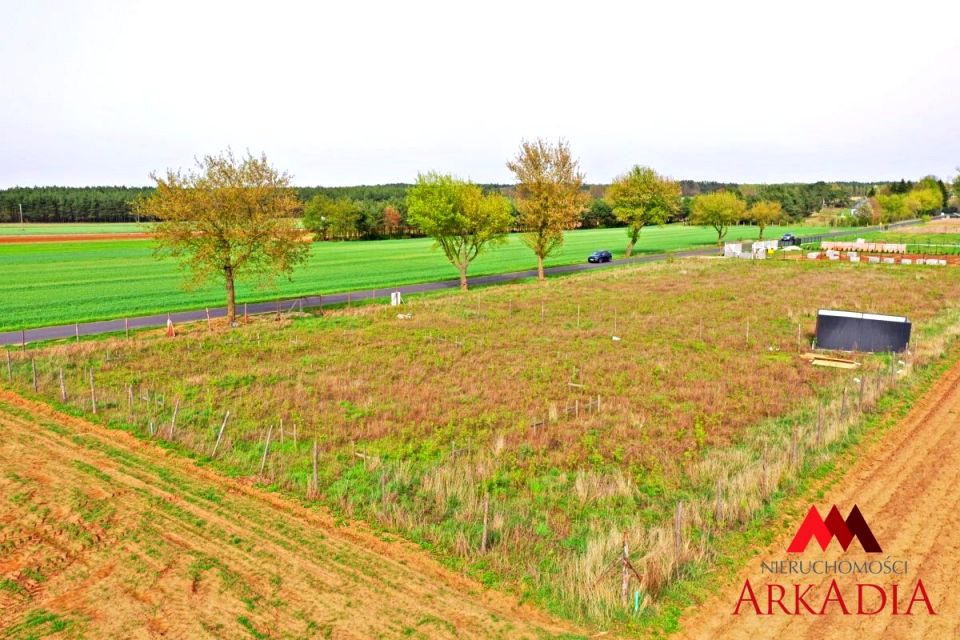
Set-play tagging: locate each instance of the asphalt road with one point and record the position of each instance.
(289, 304)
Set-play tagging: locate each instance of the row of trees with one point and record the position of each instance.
(464, 221)
(234, 217)
(902, 202)
(369, 212)
(550, 199)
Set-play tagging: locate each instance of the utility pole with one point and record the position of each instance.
(21, 212)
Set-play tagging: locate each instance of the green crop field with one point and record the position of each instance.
(518, 398)
(63, 228)
(60, 283)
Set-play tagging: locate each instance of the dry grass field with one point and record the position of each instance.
(479, 412)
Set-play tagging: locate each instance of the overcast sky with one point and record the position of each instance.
(358, 92)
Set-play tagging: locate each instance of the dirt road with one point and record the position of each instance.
(907, 486)
(105, 536)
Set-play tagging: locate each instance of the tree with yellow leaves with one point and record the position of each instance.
(719, 210)
(229, 218)
(764, 213)
(549, 197)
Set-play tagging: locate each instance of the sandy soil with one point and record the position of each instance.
(908, 488)
(74, 237)
(105, 536)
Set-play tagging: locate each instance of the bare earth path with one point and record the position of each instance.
(907, 486)
(105, 536)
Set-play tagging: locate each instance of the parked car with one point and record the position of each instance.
(600, 256)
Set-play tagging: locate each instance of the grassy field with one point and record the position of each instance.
(61, 283)
(491, 397)
(68, 228)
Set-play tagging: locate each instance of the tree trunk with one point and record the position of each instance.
(231, 296)
(761, 233)
(540, 275)
(463, 275)
(634, 235)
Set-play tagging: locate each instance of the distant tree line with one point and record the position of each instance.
(70, 204)
(904, 200)
(380, 211)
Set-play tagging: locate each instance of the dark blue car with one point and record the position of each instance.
(600, 256)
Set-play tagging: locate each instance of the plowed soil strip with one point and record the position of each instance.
(908, 488)
(74, 237)
(112, 537)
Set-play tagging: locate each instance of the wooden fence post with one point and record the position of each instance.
(718, 506)
(33, 367)
(266, 448)
(486, 520)
(625, 571)
(843, 402)
(678, 531)
(9, 367)
(173, 420)
(63, 387)
(223, 426)
(315, 479)
(794, 447)
(93, 393)
(819, 423)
